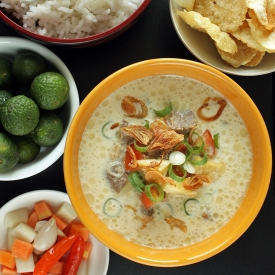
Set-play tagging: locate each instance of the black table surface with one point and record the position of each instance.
(153, 36)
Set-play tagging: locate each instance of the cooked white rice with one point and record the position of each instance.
(70, 18)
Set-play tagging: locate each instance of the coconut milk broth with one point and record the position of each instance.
(226, 193)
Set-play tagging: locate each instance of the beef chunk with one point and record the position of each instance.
(116, 175)
(182, 122)
(157, 154)
(147, 211)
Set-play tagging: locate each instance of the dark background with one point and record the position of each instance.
(153, 36)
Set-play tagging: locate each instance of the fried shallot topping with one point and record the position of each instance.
(195, 182)
(173, 222)
(144, 219)
(139, 133)
(219, 101)
(156, 177)
(133, 163)
(165, 140)
(158, 126)
(133, 107)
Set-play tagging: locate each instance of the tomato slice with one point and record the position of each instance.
(209, 144)
(177, 169)
(146, 201)
(181, 148)
(128, 160)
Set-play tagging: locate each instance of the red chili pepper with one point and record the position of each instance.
(53, 254)
(128, 159)
(74, 258)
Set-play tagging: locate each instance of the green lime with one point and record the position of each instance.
(4, 96)
(28, 149)
(19, 115)
(50, 90)
(49, 130)
(26, 66)
(6, 75)
(9, 153)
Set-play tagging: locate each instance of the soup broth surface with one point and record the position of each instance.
(215, 203)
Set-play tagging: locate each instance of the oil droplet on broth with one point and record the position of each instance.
(233, 183)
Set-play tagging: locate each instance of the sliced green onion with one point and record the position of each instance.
(112, 207)
(164, 112)
(149, 194)
(137, 179)
(173, 176)
(199, 160)
(198, 149)
(140, 148)
(216, 140)
(103, 130)
(147, 124)
(136, 182)
(191, 206)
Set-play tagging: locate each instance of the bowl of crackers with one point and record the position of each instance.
(237, 37)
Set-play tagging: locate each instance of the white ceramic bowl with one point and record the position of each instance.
(99, 260)
(9, 48)
(203, 48)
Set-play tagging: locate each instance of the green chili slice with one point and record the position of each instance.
(175, 177)
(103, 130)
(190, 205)
(216, 140)
(112, 207)
(142, 149)
(164, 112)
(151, 196)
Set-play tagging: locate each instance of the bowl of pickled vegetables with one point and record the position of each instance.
(41, 233)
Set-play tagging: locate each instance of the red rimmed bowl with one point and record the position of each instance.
(90, 40)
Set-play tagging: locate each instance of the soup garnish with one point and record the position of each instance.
(169, 140)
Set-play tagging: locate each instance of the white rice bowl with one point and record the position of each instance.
(70, 18)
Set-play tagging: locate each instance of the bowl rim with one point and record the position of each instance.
(77, 41)
(226, 68)
(73, 103)
(144, 255)
(56, 197)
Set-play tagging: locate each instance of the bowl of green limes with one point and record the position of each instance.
(38, 99)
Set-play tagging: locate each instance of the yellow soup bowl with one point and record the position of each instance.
(257, 188)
